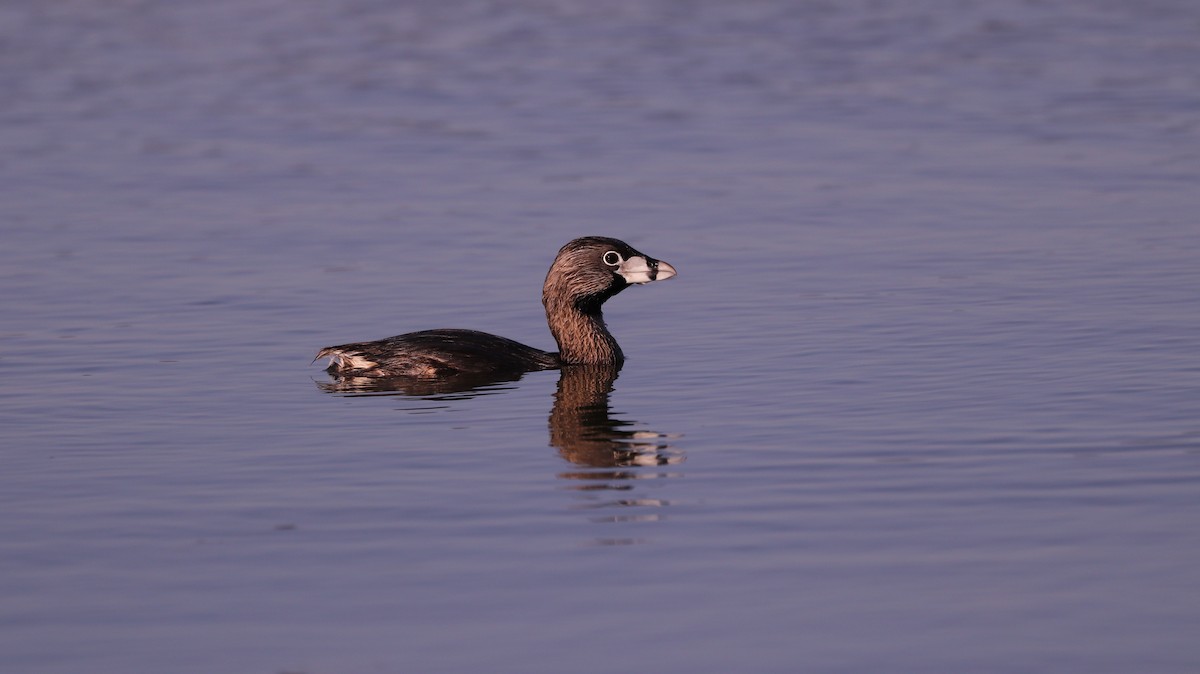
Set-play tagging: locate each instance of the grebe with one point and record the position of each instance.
(586, 272)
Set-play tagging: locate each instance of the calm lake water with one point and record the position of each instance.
(924, 397)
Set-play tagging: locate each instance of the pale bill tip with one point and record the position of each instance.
(665, 271)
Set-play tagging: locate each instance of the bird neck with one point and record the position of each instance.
(581, 334)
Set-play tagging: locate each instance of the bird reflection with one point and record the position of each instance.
(461, 386)
(581, 422)
(583, 430)
(608, 453)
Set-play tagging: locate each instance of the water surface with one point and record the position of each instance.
(923, 397)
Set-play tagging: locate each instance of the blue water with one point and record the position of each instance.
(923, 397)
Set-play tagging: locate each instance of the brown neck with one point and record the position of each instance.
(581, 335)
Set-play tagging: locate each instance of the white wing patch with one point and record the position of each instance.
(349, 361)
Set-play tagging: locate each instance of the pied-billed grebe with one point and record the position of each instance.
(586, 272)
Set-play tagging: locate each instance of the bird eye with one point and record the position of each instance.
(612, 258)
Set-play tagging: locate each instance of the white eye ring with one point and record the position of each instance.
(612, 258)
